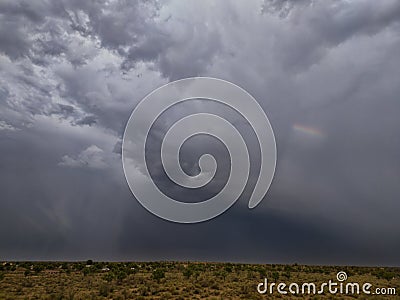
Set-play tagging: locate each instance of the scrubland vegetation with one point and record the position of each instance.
(173, 280)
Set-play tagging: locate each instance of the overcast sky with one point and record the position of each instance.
(325, 72)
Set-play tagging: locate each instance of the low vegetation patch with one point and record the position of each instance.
(169, 280)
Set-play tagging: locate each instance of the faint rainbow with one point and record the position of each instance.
(311, 131)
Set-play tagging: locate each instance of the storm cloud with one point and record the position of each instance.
(325, 72)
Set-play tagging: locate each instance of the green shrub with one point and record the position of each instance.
(121, 275)
(86, 271)
(38, 267)
(109, 277)
(275, 276)
(228, 268)
(384, 274)
(105, 290)
(187, 273)
(158, 274)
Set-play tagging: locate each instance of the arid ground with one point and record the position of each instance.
(179, 280)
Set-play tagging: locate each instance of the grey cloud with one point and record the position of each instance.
(329, 67)
(5, 126)
(54, 212)
(92, 157)
(48, 34)
(149, 50)
(63, 109)
(19, 20)
(328, 24)
(62, 39)
(12, 41)
(118, 148)
(87, 120)
(200, 46)
(282, 7)
(117, 29)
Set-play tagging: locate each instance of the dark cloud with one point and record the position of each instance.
(282, 7)
(326, 73)
(12, 43)
(87, 120)
(325, 25)
(118, 148)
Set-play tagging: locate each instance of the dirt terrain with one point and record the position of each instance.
(179, 280)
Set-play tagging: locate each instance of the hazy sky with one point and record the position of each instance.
(326, 73)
